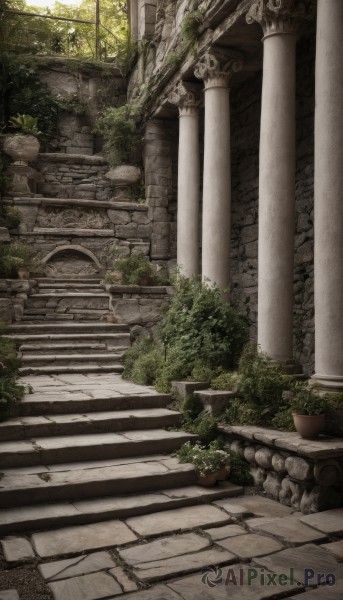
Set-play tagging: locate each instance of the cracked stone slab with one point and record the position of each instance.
(164, 548)
(222, 533)
(288, 529)
(255, 505)
(250, 545)
(330, 593)
(299, 559)
(9, 595)
(178, 519)
(329, 521)
(159, 592)
(193, 588)
(73, 567)
(185, 563)
(17, 549)
(87, 587)
(81, 538)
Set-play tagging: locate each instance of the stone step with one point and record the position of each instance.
(77, 368)
(69, 285)
(71, 339)
(54, 515)
(58, 449)
(51, 327)
(71, 403)
(72, 314)
(68, 280)
(22, 428)
(64, 347)
(69, 294)
(39, 360)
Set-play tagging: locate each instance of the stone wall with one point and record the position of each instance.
(13, 293)
(139, 307)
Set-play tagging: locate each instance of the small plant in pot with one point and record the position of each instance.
(23, 145)
(212, 464)
(308, 409)
(18, 259)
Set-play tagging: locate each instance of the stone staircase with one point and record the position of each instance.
(87, 446)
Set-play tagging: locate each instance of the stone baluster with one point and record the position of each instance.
(277, 178)
(328, 232)
(186, 96)
(215, 69)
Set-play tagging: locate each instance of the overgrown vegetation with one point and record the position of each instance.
(9, 217)
(10, 390)
(239, 471)
(135, 269)
(15, 255)
(190, 26)
(118, 126)
(199, 332)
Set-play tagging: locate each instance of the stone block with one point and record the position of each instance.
(214, 401)
(298, 468)
(87, 587)
(6, 310)
(9, 595)
(17, 549)
(185, 388)
(124, 581)
(73, 567)
(4, 235)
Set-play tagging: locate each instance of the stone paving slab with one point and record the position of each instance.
(178, 519)
(195, 587)
(125, 583)
(288, 529)
(179, 565)
(17, 549)
(255, 505)
(329, 521)
(164, 548)
(222, 533)
(81, 538)
(299, 559)
(335, 547)
(73, 567)
(250, 545)
(159, 592)
(9, 595)
(327, 593)
(87, 587)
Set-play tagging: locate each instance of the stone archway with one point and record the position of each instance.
(72, 261)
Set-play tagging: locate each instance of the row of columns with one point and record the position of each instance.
(278, 19)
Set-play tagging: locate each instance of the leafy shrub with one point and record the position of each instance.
(206, 460)
(143, 361)
(190, 25)
(205, 426)
(118, 127)
(305, 401)
(239, 472)
(16, 255)
(10, 217)
(10, 390)
(26, 124)
(135, 267)
(226, 381)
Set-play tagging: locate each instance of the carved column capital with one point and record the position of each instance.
(276, 16)
(216, 68)
(187, 97)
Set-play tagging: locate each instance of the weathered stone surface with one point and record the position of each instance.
(4, 234)
(298, 468)
(174, 520)
(289, 529)
(250, 545)
(16, 549)
(80, 565)
(263, 457)
(86, 587)
(306, 557)
(9, 595)
(182, 564)
(79, 539)
(124, 174)
(329, 522)
(256, 505)
(221, 533)
(335, 547)
(164, 548)
(331, 593)
(159, 592)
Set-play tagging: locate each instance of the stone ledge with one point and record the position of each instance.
(69, 202)
(138, 289)
(81, 158)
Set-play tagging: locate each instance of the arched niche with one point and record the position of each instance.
(72, 261)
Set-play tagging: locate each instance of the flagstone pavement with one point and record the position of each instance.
(246, 548)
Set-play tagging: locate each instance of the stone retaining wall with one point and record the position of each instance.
(139, 307)
(304, 474)
(13, 293)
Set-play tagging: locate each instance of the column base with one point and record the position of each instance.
(330, 383)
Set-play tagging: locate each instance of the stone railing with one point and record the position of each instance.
(304, 474)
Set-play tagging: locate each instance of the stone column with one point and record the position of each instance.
(185, 96)
(215, 69)
(328, 252)
(277, 178)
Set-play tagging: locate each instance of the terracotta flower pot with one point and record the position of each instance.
(206, 480)
(21, 147)
(222, 474)
(309, 426)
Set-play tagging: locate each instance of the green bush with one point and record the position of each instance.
(16, 255)
(239, 471)
(143, 361)
(205, 426)
(118, 127)
(10, 217)
(10, 390)
(136, 267)
(305, 401)
(190, 26)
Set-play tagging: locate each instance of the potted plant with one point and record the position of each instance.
(22, 145)
(20, 259)
(212, 463)
(308, 410)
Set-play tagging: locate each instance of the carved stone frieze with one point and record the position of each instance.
(72, 219)
(216, 68)
(276, 16)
